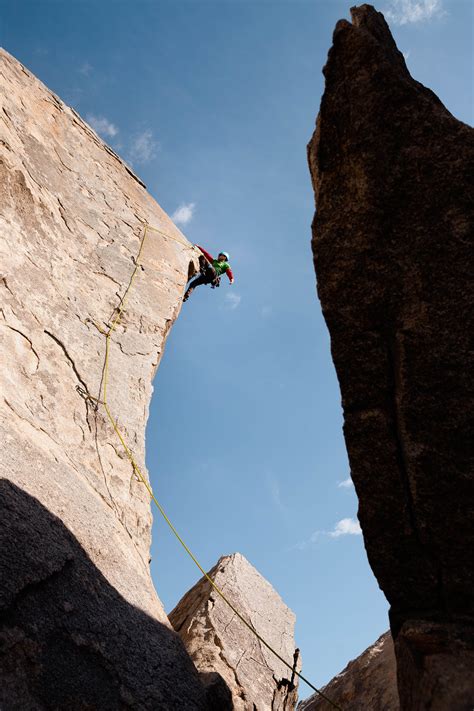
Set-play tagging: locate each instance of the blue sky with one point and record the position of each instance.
(213, 104)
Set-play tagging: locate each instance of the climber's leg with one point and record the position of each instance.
(201, 279)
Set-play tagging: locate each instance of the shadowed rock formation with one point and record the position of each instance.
(392, 239)
(68, 639)
(218, 641)
(368, 682)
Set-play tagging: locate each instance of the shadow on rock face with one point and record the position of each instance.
(68, 639)
(219, 696)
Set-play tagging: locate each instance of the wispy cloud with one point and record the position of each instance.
(265, 311)
(404, 12)
(102, 126)
(275, 493)
(308, 543)
(142, 148)
(184, 213)
(346, 484)
(85, 69)
(346, 527)
(233, 300)
(406, 54)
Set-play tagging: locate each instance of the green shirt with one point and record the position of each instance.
(220, 267)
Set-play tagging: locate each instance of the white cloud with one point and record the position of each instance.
(346, 527)
(346, 484)
(233, 300)
(265, 311)
(406, 54)
(142, 148)
(102, 126)
(403, 12)
(85, 69)
(184, 213)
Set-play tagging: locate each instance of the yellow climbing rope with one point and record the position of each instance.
(105, 381)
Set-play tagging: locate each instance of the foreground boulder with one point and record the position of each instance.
(392, 239)
(368, 682)
(218, 641)
(81, 626)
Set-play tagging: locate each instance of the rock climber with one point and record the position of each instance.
(211, 271)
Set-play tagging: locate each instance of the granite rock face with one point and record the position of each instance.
(76, 594)
(368, 682)
(392, 239)
(218, 641)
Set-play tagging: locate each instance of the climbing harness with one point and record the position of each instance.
(114, 322)
(208, 270)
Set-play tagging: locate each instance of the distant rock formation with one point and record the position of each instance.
(80, 623)
(392, 238)
(218, 641)
(367, 683)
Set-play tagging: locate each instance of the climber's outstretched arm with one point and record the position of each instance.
(208, 256)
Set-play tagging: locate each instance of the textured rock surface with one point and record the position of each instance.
(392, 238)
(368, 682)
(218, 641)
(76, 593)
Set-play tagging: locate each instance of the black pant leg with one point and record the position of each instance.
(201, 279)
